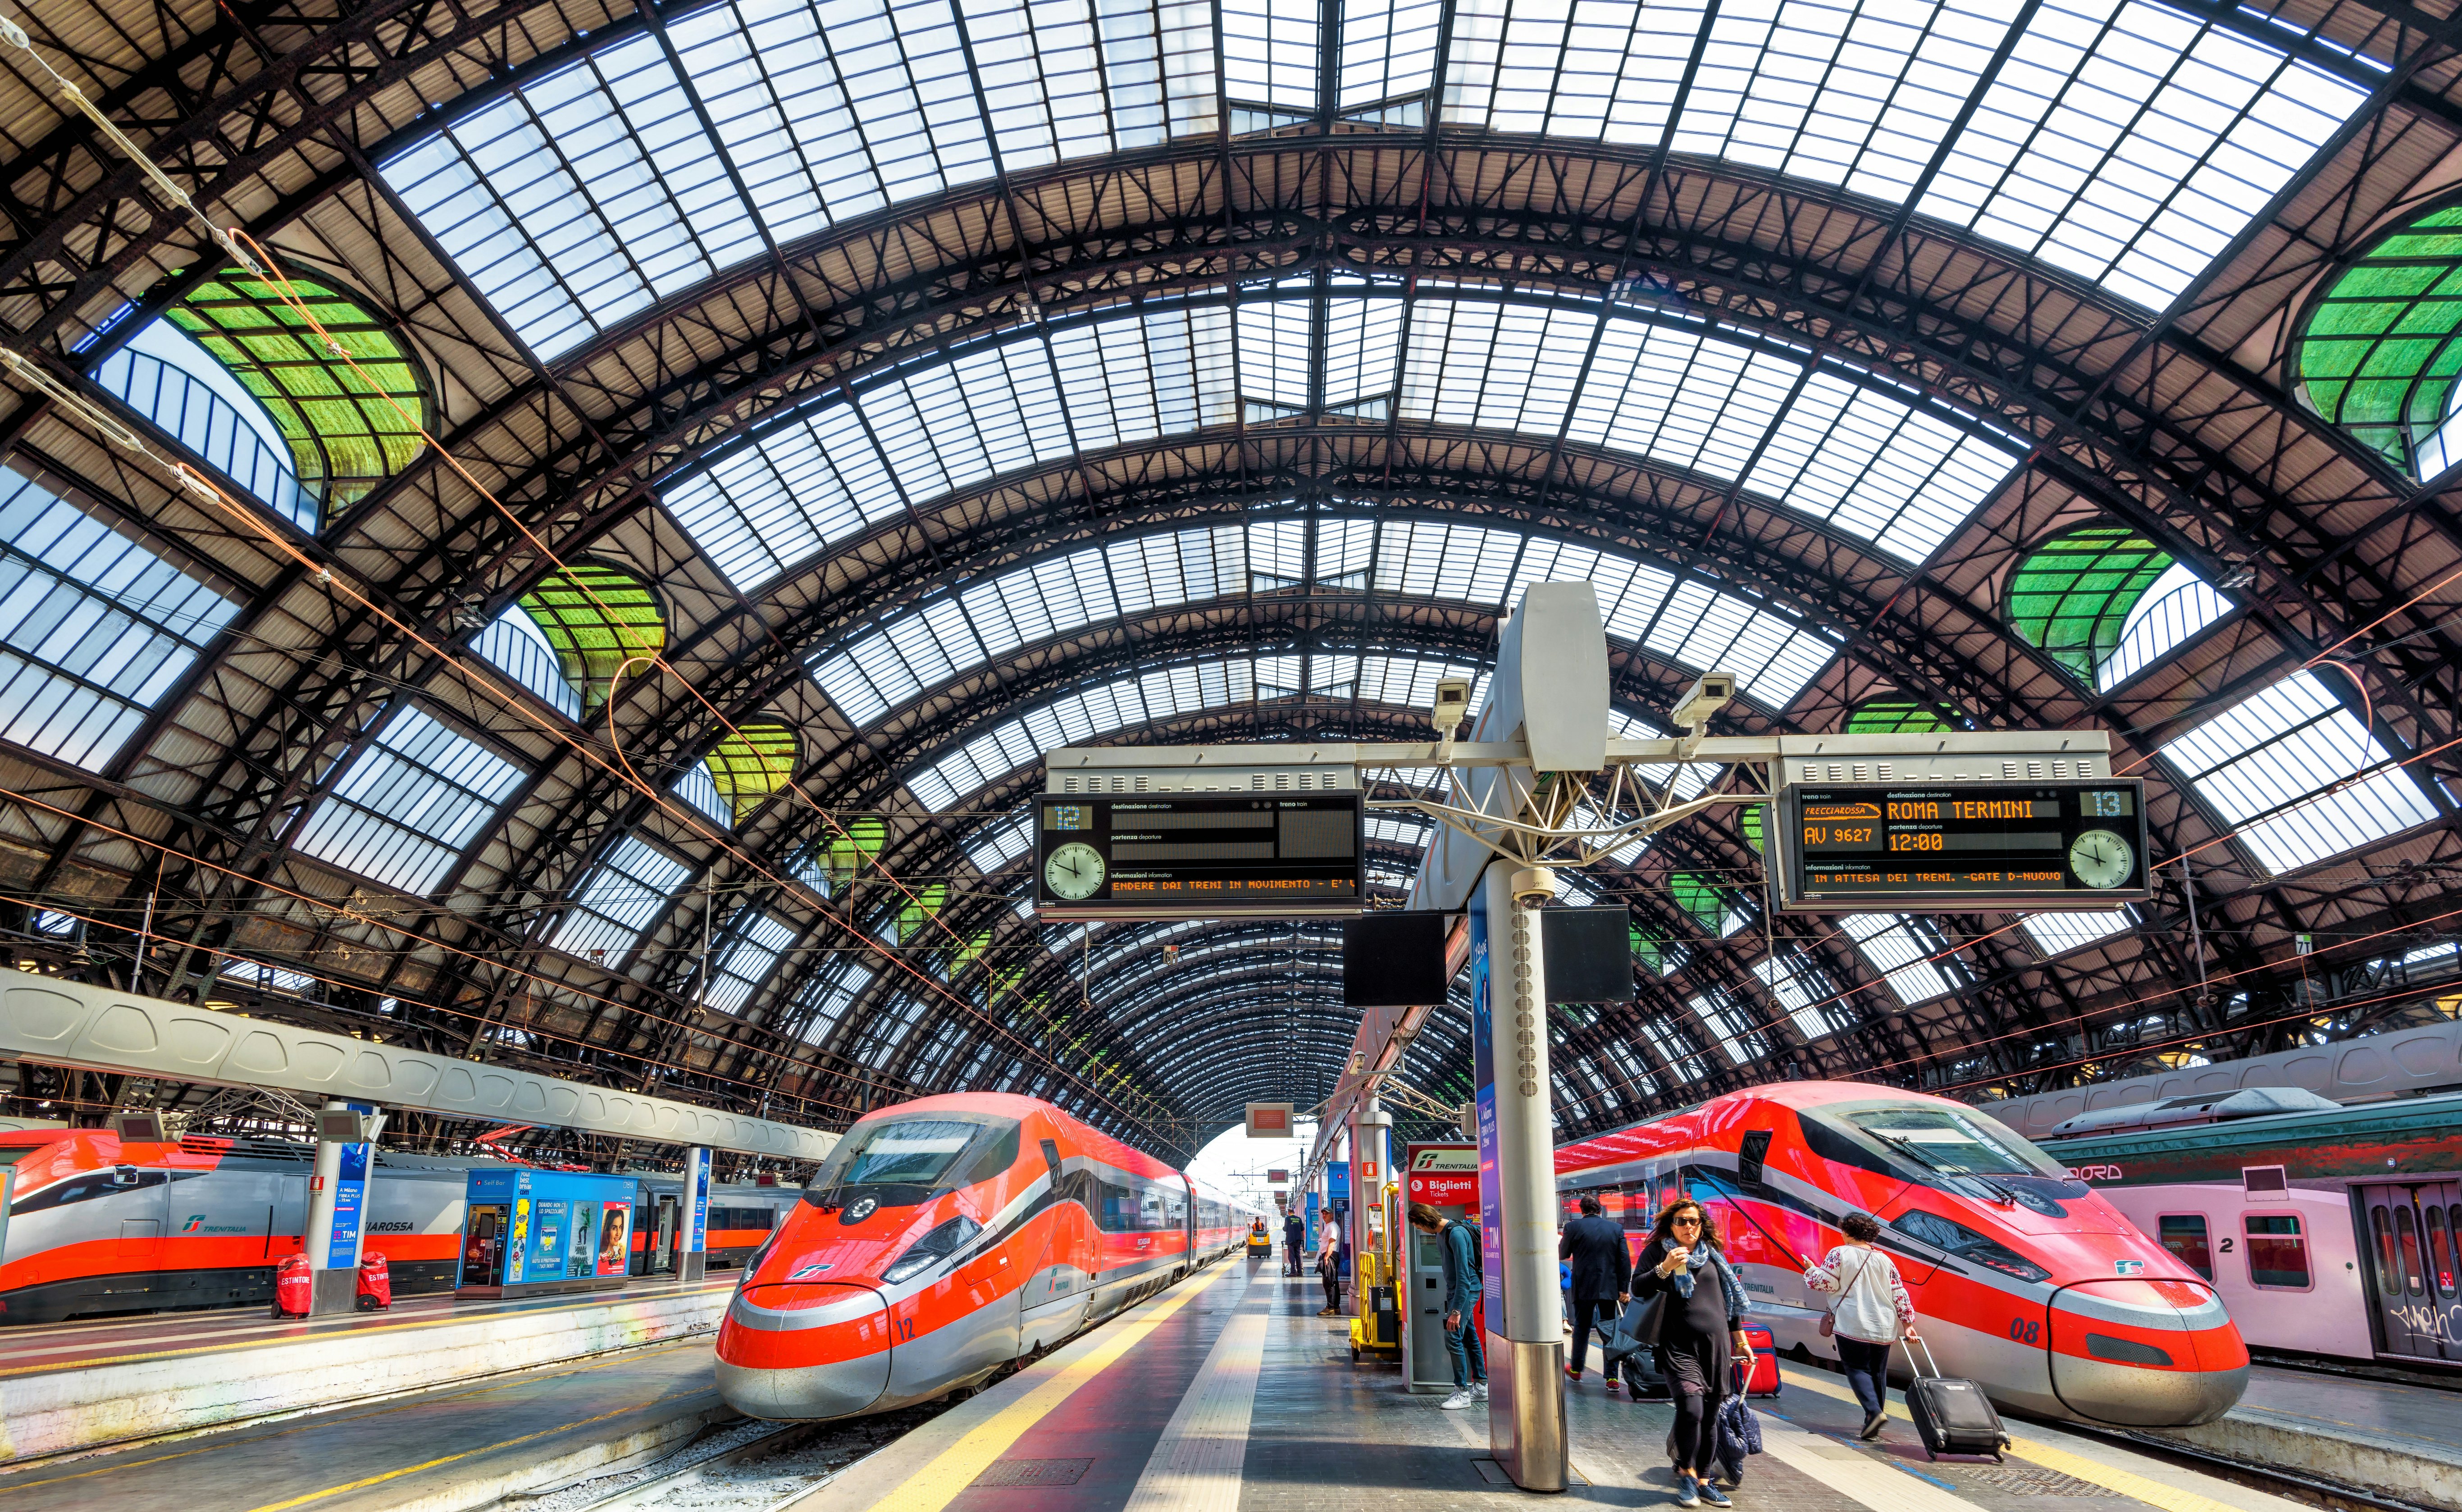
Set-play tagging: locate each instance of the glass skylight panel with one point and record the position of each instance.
(1076, 719)
(1891, 947)
(1608, 68)
(1858, 95)
(95, 627)
(829, 997)
(624, 896)
(698, 788)
(1898, 476)
(1277, 351)
(1276, 551)
(1002, 841)
(2128, 142)
(1410, 682)
(1493, 366)
(1804, 990)
(1636, 1077)
(1154, 571)
(944, 426)
(1426, 559)
(759, 941)
(1775, 658)
(580, 198)
(1363, 341)
(1080, 77)
(796, 486)
(409, 804)
(1730, 1025)
(1393, 829)
(2172, 610)
(1389, 48)
(515, 644)
(2270, 765)
(2057, 933)
(1674, 1048)
(1269, 51)
(1691, 401)
(1136, 379)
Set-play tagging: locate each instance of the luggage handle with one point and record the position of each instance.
(1919, 1342)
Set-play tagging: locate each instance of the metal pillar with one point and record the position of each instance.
(337, 1218)
(1370, 1132)
(692, 1236)
(1517, 1167)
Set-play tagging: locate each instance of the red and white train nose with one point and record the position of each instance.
(804, 1349)
(2144, 1352)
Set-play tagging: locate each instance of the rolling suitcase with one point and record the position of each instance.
(1763, 1380)
(1952, 1416)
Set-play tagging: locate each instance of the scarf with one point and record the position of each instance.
(1704, 1255)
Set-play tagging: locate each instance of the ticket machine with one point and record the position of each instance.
(1446, 1177)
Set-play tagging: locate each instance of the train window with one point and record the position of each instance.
(760, 1217)
(1965, 1244)
(903, 1160)
(1953, 1143)
(2388, 1268)
(2277, 1255)
(1751, 1155)
(86, 1187)
(2183, 1235)
(2440, 1252)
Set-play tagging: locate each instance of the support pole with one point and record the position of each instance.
(1372, 1129)
(1517, 1166)
(337, 1218)
(692, 1236)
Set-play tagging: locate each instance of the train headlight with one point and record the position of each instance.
(931, 1249)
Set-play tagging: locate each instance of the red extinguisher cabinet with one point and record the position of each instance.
(376, 1285)
(293, 1287)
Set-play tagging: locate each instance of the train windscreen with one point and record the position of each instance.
(902, 1161)
(1954, 1144)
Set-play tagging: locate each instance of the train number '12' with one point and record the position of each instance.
(2025, 1330)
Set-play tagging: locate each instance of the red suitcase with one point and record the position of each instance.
(293, 1285)
(1764, 1380)
(376, 1285)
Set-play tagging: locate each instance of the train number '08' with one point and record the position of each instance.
(2027, 1330)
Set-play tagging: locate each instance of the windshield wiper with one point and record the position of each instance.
(1907, 1147)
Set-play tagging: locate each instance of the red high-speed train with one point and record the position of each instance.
(2022, 1279)
(943, 1239)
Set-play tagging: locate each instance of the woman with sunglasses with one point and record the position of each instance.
(1700, 1330)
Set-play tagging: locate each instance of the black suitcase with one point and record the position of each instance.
(1952, 1416)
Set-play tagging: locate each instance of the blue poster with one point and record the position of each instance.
(1309, 1211)
(350, 1202)
(1337, 1183)
(698, 1232)
(1482, 1041)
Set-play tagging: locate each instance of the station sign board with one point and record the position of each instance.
(1953, 846)
(1442, 1176)
(1275, 1177)
(1179, 856)
(1269, 1120)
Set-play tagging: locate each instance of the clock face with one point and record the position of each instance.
(2101, 858)
(1074, 872)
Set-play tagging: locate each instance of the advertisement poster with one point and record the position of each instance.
(1482, 1040)
(547, 1256)
(614, 1231)
(350, 1208)
(1309, 1213)
(696, 1241)
(517, 1249)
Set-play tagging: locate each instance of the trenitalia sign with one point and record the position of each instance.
(1442, 1176)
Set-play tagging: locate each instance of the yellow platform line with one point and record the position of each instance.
(955, 1468)
(2128, 1484)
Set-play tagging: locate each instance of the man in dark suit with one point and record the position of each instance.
(1602, 1277)
(1294, 1240)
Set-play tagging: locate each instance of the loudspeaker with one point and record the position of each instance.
(1588, 954)
(1393, 960)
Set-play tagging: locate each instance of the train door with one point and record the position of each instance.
(2410, 1230)
(140, 1244)
(482, 1245)
(662, 1235)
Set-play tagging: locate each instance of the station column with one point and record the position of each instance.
(692, 1239)
(337, 1202)
(1517, 1158)
(1370, 1131)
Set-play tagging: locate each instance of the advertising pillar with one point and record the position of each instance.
(692, 1243)
(337, 1206)
(1517, 1169)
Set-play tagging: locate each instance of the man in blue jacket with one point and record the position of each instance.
(1460, 1248)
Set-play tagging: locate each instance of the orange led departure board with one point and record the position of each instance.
(1957, 847)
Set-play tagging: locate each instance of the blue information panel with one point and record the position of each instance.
(1491, 1203)
(696, 1236)
(350, 1208)
(1310, 1213)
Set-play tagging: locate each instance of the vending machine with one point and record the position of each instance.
(1446, 1177)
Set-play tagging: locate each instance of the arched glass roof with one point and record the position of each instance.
(2125, 141)
(1851, 449)
(2379, 354)
(1703, 628)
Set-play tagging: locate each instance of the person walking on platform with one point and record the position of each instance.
(1329, 1270)
(1462, 1296)
(1872, 1312)
(1294, 1240)
(1700, 1330)
(1602, 1268)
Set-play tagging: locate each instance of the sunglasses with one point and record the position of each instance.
(1688, 1219)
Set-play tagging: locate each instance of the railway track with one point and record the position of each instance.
(2310, 1489)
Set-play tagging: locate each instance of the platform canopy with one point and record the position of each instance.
(854, 400)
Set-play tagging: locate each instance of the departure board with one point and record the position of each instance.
(1168, 856)
(1963, 846)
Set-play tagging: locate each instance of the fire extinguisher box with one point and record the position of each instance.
(529, 1233)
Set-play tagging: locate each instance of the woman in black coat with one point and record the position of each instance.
(1701, 1329)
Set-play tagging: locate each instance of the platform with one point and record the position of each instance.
(85, 1385)
(2404, 1441)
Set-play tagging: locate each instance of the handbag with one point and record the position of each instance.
(1637, 1328)
(1829, 1319)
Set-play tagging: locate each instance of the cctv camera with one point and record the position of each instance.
(1709, 692)
(1452, 704)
